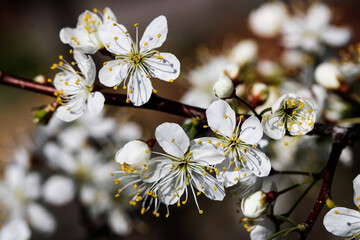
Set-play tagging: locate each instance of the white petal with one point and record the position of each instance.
(87, 16)
(208, 185)
(172, 138)
(135, 153)
(221, 117)
(66, 81)
(88, 43)
(15, 229)
(228, 176)
(342, 221)
(86, 66)
(318, 16)
(336, 36)
(251, 131)
(171, 191)
(109, 15)
(32, 185)
(356, 185)
(206, 154)
(113, 73)
(58, 190)
(258, 162)
(263, 229)
(41, 219)
(248, 183)
(167, 68)
(95, 103)
(151, 35)
(278, 103)
(272, 128)
(67, 115)
(156, 169)
(119, 223)
(115, 38)
(139, 88)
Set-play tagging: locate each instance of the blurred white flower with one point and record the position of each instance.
(119, 223)
(344, 222)
(224, 87)
(85, 36)
(15, 229)
(267, 20)
(137, 61)
(238, 144)
(41, 219)
(202, 80)
(74, 89)
(329, 75)
(58, 190)
(244, 52)
(289, 112)
(309, 31)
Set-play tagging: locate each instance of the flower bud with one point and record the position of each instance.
(134, 154)
(329, 76)
(232, 70)
(254, 204)
(258, 94)
(224, 87)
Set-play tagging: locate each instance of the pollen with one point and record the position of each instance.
(205, 126)
(209, 141)
(114, 24)
(201, 211)
(131, 91)
(225, 116)
(136, 24)
(215, 188)
(159, 35)
(336, 212)
(145, 44)
(286, 143)
(199, 142)
(236, 168)
(198, 193)
(147, 151)
(115, 87)
(116, 38)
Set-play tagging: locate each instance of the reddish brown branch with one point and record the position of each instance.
(329, 171)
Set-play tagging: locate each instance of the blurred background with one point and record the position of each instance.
(29, 45)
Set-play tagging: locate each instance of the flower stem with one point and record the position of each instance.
(311, 179)
(248, 106)
(264, 111)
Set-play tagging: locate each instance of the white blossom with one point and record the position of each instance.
(344, 222)
(15, 229)
(58, 190)
(244, 52)
(329, 75)
(292, 113)
(85, 36)
(74, 88)
(137, 61)
(238, 144)
(267, 20)
(311, 30)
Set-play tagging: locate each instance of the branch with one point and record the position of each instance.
(337, 133)
(329, 171)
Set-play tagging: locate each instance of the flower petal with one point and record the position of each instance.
(251, 131)
(206, 154)
(172, 138)
(95, 103)
(115, 38)
(208, 185)
(263, 229)
(356, 185)
(248, 183)
(15, 228)
(155, 34)
(119, 222)
(336, 36)
(164, 66)
(86, 66)
(113, 73)
(272, 128)
(67, 115)
(156, 168)
(221, 118)
(80, 39)
(227, 175)
(342, 221)
(109, 15)
(318, 16)
(257, 162)
(139, 88)
(171, 190)
(40, 218)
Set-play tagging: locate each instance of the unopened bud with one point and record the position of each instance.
(254, 205)
(134, 154)
(329, 76)
(232, 71)
(258, 94)
(244, 52)
(224, 87)
(40, 79)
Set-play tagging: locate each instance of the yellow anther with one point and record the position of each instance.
(126, 32)
(209, 141)
(336, 212)
(204, 173)
(167, 215)
(117, 195)
(201, 211)
(154, 91)
(300, 133)
(215, 188)
(95, 10)
(308, 111)
(236, 168)
(245, 175)
(159, 35)
(49, 80)
(70, 51)
(116, 38)
(157, 214)
(357, 198)
(131, 91)
(171, 80)
(178, 204)
(115, 87)
(224, 168)
(114, 24)
(136, 24)
(147, 176)
(231, 162)
(199, 142)
(205, 126)
(66, 83)
(143, 210)
(147, 151)
(290, 124)
(172, 140)
(223, 145)
(215, 131)
(145, 43)
(286, 143)
(281, 124)
(235, 179)
(107, 45)
(201, 186)
(225, 116)
(135, 186)
(198, 193)
(294, 112)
